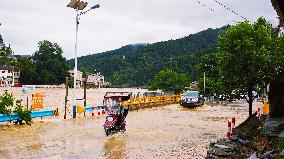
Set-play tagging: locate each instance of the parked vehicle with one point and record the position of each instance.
(191, 98)
(116, 113)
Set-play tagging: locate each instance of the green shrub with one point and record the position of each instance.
(6, 103)
(25, 115)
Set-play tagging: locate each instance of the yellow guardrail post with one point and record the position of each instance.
(139, 104)
(132, 103)
(144, 101)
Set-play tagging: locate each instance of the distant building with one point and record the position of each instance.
(16, 76)
(193, 86)
(14, 58)
(9, 76)
(96, 80)
(79, 78)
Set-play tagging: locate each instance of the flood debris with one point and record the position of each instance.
(274, 127)
(247, 141)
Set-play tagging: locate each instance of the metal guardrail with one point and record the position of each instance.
(89, 108)
(150, 101)
(34, 114)
(139, 102)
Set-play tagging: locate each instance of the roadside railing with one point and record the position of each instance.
(149, 101)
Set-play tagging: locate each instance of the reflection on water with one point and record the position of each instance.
(114, 148)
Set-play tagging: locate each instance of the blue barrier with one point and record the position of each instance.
(34, 114)
(42, 113)
(11, 117)
(89, 108)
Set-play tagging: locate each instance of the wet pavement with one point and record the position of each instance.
(164, 132)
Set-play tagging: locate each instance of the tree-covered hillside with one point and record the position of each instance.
(136, 65)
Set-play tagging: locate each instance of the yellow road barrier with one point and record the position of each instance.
(151, 101)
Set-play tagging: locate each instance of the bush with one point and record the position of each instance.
(25, 115)
(7, 104)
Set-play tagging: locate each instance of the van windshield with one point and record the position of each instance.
(191, 94)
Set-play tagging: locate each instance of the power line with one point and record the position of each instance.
(210, 8)
(205, 5)
(231, 10)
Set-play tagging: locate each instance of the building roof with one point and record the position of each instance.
(6, 68)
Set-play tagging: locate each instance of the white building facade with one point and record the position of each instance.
(79, 78)
(9, 76)
(96, 80)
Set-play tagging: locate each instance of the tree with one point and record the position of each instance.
(28, 70)
(1, 39)
(51, 66)
(248, 56)
(168, 80)
(5, 51)
(208, 65)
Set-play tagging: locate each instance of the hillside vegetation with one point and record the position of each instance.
(136, 65)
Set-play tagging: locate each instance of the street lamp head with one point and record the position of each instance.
(95, 6)
(77, 4)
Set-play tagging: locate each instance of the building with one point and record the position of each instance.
(79, 78)
(16, 76)
(96, 80)
(279, 8)
(276, 88)
(193, 86)
(9, 76)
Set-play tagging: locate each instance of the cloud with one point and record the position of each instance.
(117, 22)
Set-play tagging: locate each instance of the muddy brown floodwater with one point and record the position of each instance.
(163, 132)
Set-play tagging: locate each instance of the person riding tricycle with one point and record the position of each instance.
(116, 112)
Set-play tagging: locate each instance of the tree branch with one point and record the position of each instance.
(246, 98)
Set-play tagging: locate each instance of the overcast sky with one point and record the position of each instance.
(117, 22)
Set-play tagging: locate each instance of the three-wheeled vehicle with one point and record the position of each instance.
(116, 112)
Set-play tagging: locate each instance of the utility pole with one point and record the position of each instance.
(204, 86)
(78, 5)
(66, 97)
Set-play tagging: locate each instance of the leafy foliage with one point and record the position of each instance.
(25, 115)
(249, 55)
(28, 70)
(136, 65)
(47, 66)
(168, 80)
(51, 66)
(208, 65)
(5, 51)
(6, 102)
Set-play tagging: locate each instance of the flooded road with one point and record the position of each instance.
(164, 132)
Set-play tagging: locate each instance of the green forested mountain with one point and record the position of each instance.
(136, 65)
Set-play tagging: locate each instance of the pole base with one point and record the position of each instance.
(74, 111)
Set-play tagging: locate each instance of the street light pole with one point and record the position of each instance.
(78, 5)
(204, 86)
(75, 67)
